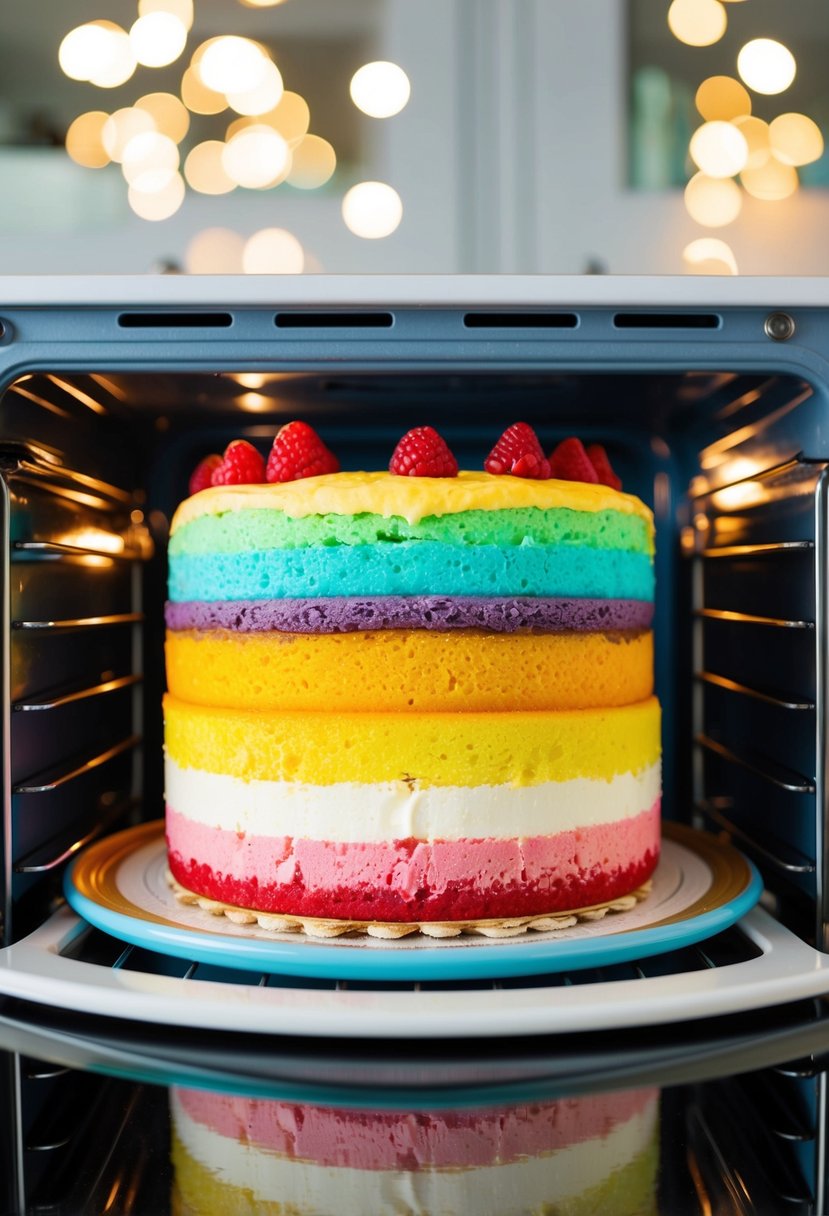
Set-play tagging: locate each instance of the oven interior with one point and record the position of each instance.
(96, 454)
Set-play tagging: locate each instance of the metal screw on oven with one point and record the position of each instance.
(779, 326)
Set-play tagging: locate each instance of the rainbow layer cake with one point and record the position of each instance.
(411, 699)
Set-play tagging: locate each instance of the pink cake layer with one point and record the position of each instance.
(406, 1140)
(407, 880)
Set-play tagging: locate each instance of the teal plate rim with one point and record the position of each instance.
(373, 960)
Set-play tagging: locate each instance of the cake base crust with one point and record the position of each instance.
(313, 926)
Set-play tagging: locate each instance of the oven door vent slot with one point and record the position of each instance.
(334, 320)
(175, 320)
(667, 320)
(521, 320)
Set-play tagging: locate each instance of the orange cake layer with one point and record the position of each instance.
(400, 671)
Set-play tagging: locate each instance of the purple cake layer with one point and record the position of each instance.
(347, 614)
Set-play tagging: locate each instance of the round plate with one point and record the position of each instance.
(700, 887)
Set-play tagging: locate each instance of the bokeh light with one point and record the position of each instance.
(372, 210)
(795, 139)
(697, 22)
(264, 97)
(215, 251)
(313, 163)
(709, 255)
(197, 97)
(231, 64)
(290, 118)
(204, 170)
(713, 201)
(772, 182)
(168, 113)
(766, 66)
(722, 98)
(157, 39)
(273, 251)
(158, 204)
(100, 52)
(756, 134)
(121, 127)
(183, 9)
(380, 89)
(149, 161)
(256, 157)
(719, 149)
(84, 140)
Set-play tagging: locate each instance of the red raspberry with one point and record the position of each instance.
(570, 462)
(519, 452)
(604, 471)
(423, 453)
(299, 452)
(202, 475)
(242, 466)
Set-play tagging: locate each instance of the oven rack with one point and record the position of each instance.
(758, 964)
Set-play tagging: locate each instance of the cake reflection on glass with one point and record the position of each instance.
(573, 1157)
(412, 698)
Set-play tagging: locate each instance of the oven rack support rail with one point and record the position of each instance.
(783, 969)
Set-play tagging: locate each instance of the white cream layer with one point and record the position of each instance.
(496, 1190)
(350, 811)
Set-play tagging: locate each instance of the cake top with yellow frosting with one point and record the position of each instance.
(409, 498)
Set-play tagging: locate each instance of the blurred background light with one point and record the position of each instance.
(713, 201)
(84, 140)
(291, 117)
(197, 97)
(709, 255)
(231, 65)
(204, 170)
(372, 210)
(771, 182)
(313, 163)
(121, 127)
(273, 251)
(719, 149)
(722, 98)
(157, 39)
(158, 204)
(100, 52)
(380, 89)
(168, 113)
(756, 134)
(264, 97)
(255, 157)
(183, 9)
(697, 22)
(795, 139)
(215, 251)
(149, 161)
(766, 66)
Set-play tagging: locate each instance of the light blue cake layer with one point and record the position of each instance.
(412, 568)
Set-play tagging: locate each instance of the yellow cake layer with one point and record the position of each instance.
(430, 749)
(405, 671)
(411, 498)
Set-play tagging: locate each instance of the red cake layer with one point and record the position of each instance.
(411, 880)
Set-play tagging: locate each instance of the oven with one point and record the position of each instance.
(712, 399)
